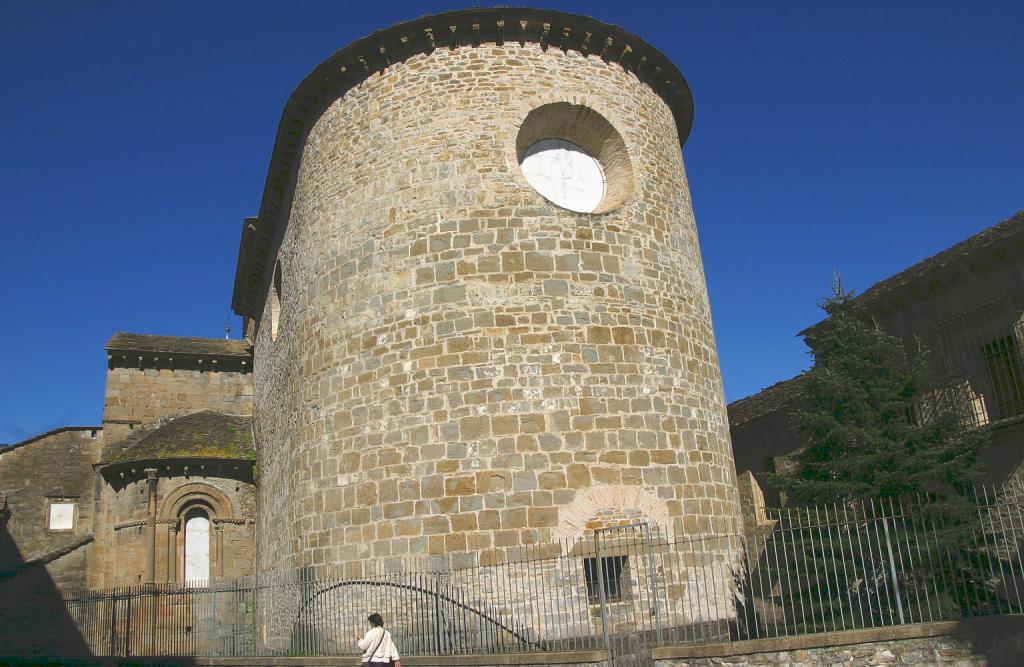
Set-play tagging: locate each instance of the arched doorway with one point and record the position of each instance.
(197, 546)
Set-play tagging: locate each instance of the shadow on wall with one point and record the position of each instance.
(999, 639)
(33, 620)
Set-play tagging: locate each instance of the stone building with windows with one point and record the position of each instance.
(966, 304)
(476, 298)
(161, 492)
(476, 319)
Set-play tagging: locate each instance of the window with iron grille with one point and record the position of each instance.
(977, 363)
(612, 569)
(1002, 356)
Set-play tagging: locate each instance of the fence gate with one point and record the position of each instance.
(621, 572)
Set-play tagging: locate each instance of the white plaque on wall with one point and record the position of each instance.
(62, 516)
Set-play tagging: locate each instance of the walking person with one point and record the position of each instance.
(378, 649)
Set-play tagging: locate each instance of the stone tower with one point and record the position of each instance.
(477, 301)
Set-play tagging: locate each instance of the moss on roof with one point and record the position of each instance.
(201, 435)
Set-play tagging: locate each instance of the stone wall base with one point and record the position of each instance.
(552, 659)
(988, 642)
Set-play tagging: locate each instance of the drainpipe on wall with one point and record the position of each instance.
(151, 528)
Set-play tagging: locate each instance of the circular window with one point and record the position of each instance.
(564, 173)
(574, 158)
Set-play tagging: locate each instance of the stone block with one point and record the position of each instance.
(543, 517)
(460, 485)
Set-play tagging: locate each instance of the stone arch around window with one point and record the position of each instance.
(194, 493)
(587, 121)
(612, 502)
(187, 501)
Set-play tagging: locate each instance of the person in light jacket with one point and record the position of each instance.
(378, 649)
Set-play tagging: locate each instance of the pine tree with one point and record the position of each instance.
(859, 411)
(872, 456)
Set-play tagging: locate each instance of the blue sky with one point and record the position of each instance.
(136, 136)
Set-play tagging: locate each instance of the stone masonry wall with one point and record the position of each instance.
(121, 542)
(54, 468)
(147, 396)
(458, 360)
(927, 651)
(985, 642)
(138, 399)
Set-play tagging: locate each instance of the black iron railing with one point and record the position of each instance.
(804, 570)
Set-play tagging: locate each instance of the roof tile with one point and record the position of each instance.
(219, 347)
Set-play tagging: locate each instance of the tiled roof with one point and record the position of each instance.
(776, 396)
(201, 435)
(768, 400)
(39, 436)
(179, 345)
(1012, 226)
(1001, 232)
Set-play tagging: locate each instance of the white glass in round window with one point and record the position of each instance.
(565, 174)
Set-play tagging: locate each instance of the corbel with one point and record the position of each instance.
(607, 45)
(585, 45)
(639, 68)
(622, 56)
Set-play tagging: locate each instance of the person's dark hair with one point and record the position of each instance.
(375, 620)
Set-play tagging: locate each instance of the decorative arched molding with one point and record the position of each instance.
(587, 122)
(197, 493)
(574, 517)
(218, 509)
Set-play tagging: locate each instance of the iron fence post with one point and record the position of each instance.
(128, 625)
(112, 644)
(651, 567)
(153, 602)
(213, 618)
(892, 569)
(599, 572)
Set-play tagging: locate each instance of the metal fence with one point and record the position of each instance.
(627, 588)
